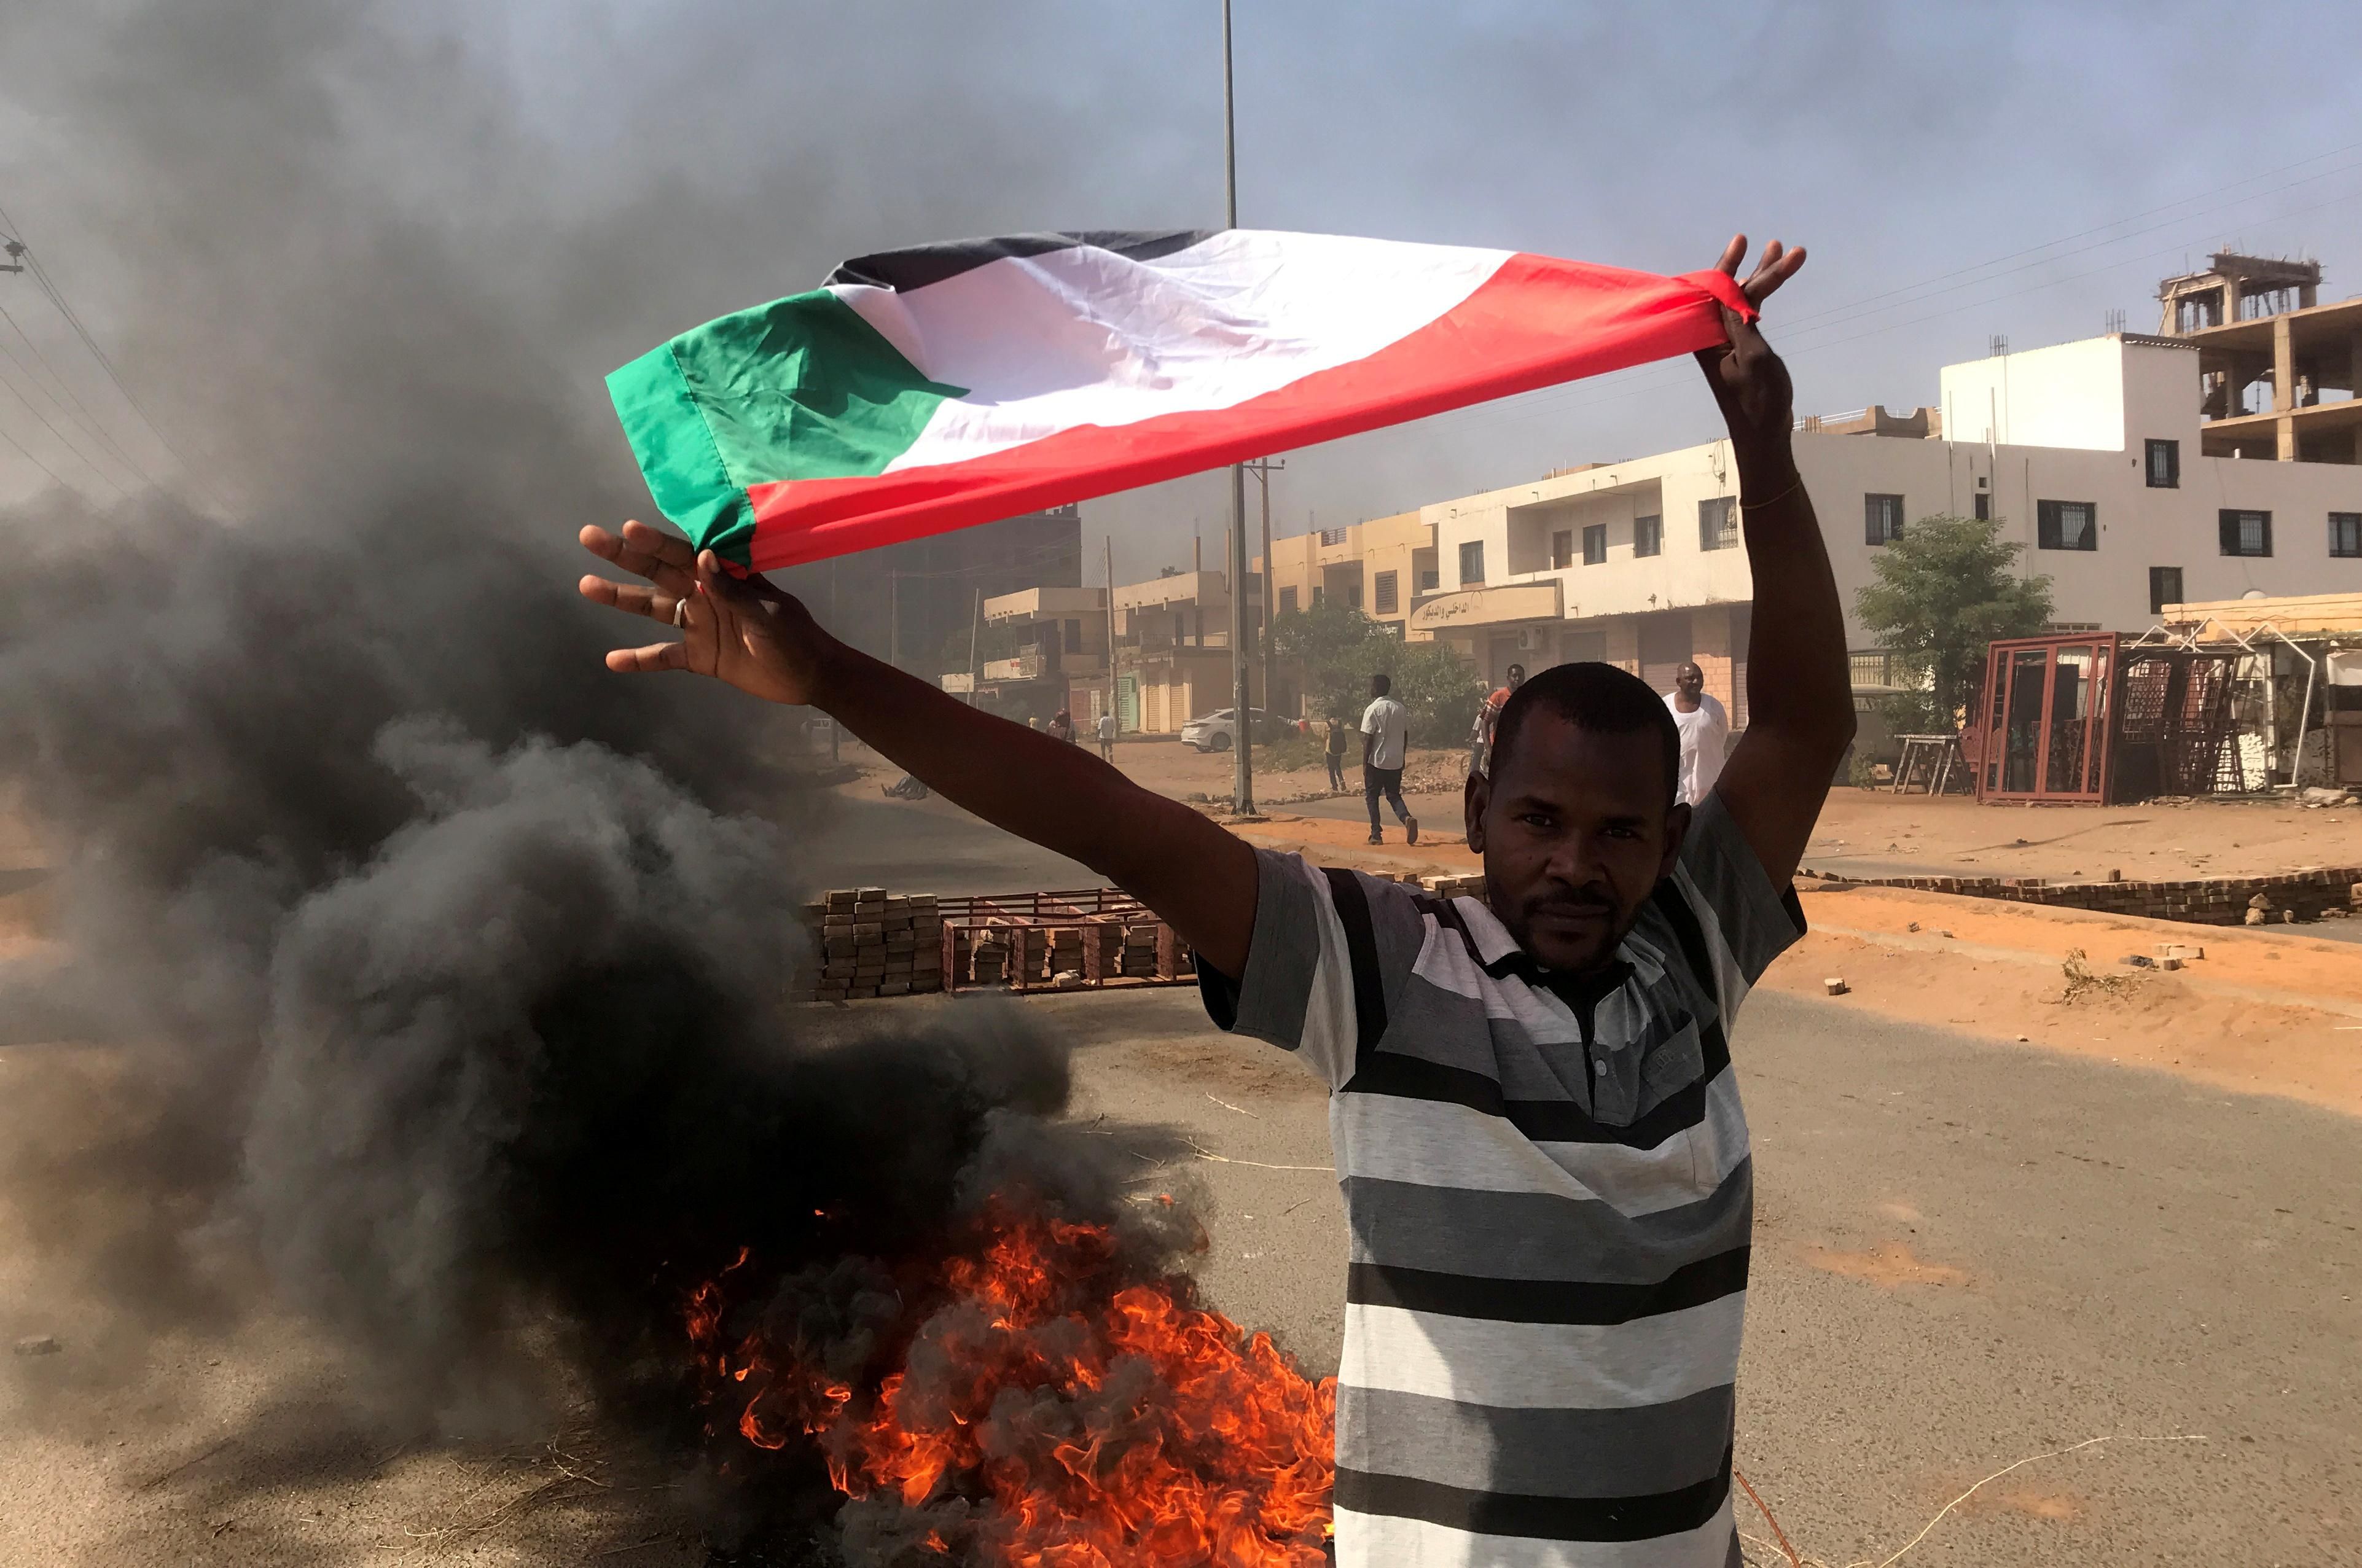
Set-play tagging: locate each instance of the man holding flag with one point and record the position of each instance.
(1544, 1158)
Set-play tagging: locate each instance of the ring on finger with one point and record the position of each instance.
(681, 612)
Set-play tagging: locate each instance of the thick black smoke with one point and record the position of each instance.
(401, 969)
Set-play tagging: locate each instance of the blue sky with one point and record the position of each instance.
(680, 160)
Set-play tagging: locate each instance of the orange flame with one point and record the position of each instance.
(1178, 1439)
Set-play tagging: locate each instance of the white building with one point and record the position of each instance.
(2093, 453)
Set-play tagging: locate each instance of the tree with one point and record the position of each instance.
(1944, 589)
(1341, 648)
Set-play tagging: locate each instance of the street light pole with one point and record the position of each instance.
(1243, 751)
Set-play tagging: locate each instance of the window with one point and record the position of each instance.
(1985, 506)
(2245, 533)
(1288, 601)
(1354, 594)
(2066, 526)
(1882, 519)
(1388, 596)
(1595, 544)
(1319, 593)
(1428, 581)
(1472, 563)
(2164, 588)
(1718, 523)
(1562, 548)
(2345, 533)
(1647, 535)
(1074, 636)
(2165, 465)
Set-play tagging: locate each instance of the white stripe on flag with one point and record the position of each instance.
(1085, 336)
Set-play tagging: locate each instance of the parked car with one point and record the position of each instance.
(1219, 731)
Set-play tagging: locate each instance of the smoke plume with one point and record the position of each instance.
(397, 966)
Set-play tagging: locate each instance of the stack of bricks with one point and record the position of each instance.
(2202, 900)
(874, 943)
(1470, 886)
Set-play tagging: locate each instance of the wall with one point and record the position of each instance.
(2138, 528)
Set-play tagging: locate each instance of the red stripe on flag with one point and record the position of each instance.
(1535, 323)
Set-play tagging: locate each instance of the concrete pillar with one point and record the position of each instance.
(2283, 366)
(2284, 429)
(1624, 643)
(1710, 650)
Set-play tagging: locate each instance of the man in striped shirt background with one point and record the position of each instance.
(1544, 1158)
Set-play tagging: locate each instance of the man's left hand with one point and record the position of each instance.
(1749, 380)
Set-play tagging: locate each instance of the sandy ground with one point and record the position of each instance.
(1994, 1220)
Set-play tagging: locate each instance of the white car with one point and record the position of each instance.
(1219, 731)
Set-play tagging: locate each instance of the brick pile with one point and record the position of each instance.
(2204, 900)
(875, 944)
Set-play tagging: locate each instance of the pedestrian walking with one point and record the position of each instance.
(1335, 753)
(1386, 743)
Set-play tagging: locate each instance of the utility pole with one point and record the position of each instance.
(1243, 775)
(835, 729)
(975, 635)
(1262, 467)
(1115, 673)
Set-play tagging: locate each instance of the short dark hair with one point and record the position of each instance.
(1382, 684)
(1596, 697)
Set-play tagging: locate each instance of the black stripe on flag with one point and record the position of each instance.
(1642, 1517)
(903, 270)
(1587, 1302)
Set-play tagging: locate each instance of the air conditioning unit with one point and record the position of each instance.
(1529, 639)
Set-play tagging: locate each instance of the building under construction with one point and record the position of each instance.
(2267, 349)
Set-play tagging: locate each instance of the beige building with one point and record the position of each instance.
(2125, 485)
(1173, 651)
(1385, 568)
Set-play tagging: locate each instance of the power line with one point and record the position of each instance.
(35, 461)
(89, 419)
(57, 297)
(62, 437)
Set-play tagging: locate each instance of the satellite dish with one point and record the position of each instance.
(2255, 593)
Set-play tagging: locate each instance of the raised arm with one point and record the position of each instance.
(1799, 686)
(1198, 876)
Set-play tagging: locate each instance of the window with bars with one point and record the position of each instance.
(1353, 595)
(1472, 563)
(2066, 526)
(1386, 593)
(2346, 534)
(1882, 519)
(1983, 511)
(2164, 465)
(1595, 543)
(1428, 581)
(1288, 601)
(2245, 533)
(2164, 588)
(1562, 548)
(1718, 523)
(1647, 535)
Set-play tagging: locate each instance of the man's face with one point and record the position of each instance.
(1576, 830)
(1516, 675)
(1689, 681)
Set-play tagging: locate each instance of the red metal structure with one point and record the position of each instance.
(2079, 718)
(2045, 718)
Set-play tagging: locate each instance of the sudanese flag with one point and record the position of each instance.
(921, 391)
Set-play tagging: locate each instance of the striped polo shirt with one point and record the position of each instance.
(1548, 1194)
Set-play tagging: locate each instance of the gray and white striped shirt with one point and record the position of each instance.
(1549, 1194)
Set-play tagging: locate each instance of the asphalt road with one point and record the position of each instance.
(1966, 1254)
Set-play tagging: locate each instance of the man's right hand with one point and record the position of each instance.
(742, 631)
